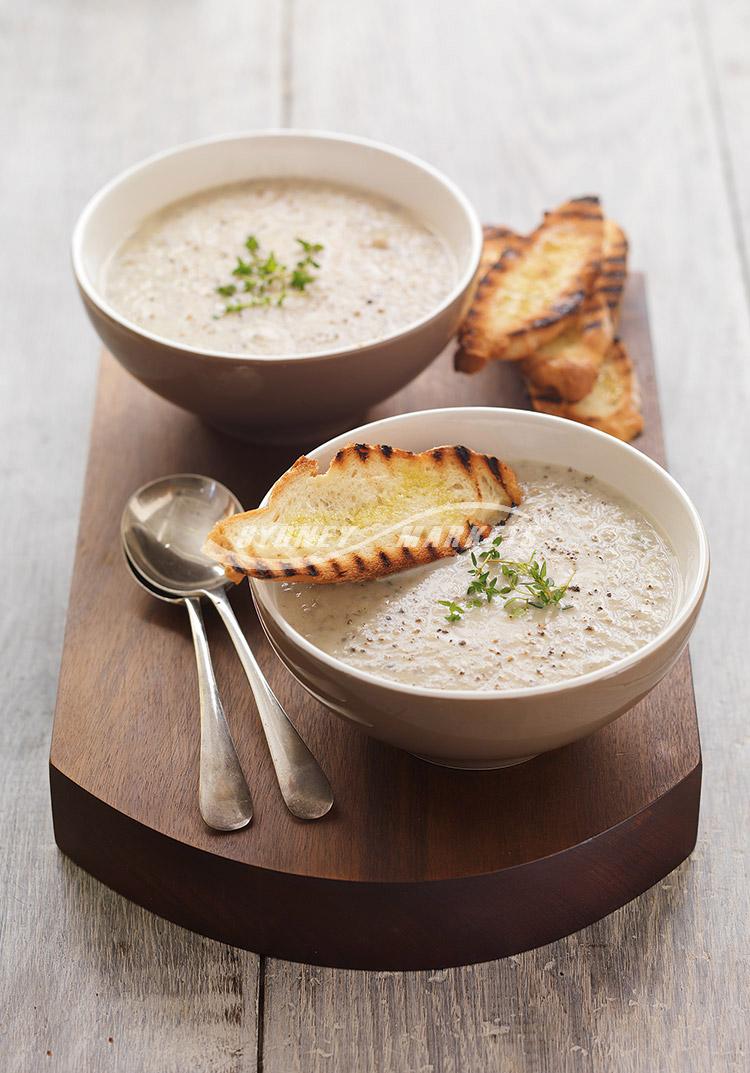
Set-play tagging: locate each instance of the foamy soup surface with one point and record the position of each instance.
(379, 269)
(623, 591)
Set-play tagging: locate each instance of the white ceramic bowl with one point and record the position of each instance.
(259, 396)
(461, 728)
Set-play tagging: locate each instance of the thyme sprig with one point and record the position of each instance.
(521, 585)
(262, 279)
(455, 611)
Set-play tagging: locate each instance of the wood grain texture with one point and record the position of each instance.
(523, 104)
(396, 876)
(723, 32)
(87, 89)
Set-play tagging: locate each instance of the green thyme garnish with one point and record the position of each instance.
(455, 611)
(300, 278)
(263, 279)
(310, 248)
(520, 585)
(536, 589)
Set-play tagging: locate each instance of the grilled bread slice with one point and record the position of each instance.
(526, 300)
(375, 511)
(567, 367)
(613, 404)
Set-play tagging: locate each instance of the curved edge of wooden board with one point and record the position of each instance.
(381, 926)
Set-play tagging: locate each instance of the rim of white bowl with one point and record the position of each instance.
(691, 599)
(93, 294)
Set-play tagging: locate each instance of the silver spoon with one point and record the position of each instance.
(223, 796)
(163, 529)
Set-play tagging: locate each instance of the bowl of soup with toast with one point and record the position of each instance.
(596, 579)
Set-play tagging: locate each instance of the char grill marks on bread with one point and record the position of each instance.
(533, 291)
(375, 511)
(551, 300)
(612, 405)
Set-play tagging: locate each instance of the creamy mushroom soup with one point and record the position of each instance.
(423, 628)
(279, 266)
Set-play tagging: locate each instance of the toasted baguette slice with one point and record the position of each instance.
(526, 300)
(610, 282)
(567, 367)
(613, 404)
(376, 510)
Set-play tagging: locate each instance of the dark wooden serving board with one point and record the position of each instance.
(416, 866)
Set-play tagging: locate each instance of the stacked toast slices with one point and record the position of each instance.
(550, 301)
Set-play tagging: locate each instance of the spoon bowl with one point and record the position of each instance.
(140, 580)
(163, 528)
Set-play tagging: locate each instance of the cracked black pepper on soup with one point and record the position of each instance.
(279, 267)
(609, 576)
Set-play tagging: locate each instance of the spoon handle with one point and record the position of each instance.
(303, 784)
(223, 796)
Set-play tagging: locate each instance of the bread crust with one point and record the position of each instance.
(497, 241)
(480, 489)
(614, 403)
(610, 282)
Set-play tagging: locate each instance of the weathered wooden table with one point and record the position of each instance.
(522, 104)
